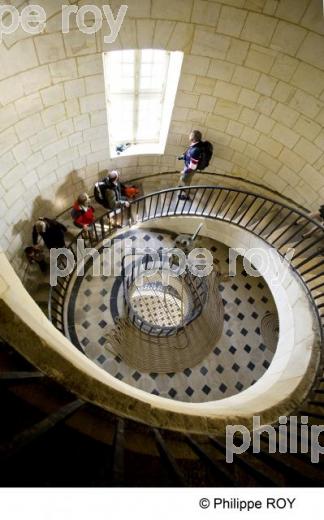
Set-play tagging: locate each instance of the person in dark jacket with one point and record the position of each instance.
(50, 231)
(108, 192)
(191, 159)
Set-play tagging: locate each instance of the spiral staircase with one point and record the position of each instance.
(56, 433)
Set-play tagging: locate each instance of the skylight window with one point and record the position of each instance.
(141, 86)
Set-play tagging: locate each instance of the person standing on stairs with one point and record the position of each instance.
(191, 159)
(108, 192)
(50, 232)
(83, 214)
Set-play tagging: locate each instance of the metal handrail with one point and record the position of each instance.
(215, 202)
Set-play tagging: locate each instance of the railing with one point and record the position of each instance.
(272, 221)
(144, 266)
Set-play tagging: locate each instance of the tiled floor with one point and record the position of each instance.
(235, 363)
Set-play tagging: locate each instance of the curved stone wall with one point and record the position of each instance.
(252, 81)
(282, 388)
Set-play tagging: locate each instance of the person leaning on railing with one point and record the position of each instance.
(83, 214)
(108, 192)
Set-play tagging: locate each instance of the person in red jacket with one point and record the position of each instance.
(83, 214)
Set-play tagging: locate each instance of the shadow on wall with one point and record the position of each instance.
(72, 186)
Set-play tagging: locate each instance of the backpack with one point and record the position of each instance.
(131, 192)
(206, 150)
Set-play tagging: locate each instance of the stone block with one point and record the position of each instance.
(145, 33)
(227, 109)
(72, 107)
(196, 65)
(179, 11)
(49, 47)
(305, 104)
(65, 128)
(81, 122)
(248, 98)
(29, 105)
(292, 160)
(13, 177)
(90, 65)
(291, 10)
(312, 18)
(245, 77)
(250, 135)
(234, 128)
(7, 162)
(283, 92)
(237, 52)
(22, 151)
(266, 85)
(313, 177)
(265, 105)
(35, 80)
(312, 50)
(210, 44)
(238, 145)
(259, 29)
(248, 117)
(284, 67)
(307, 128)
(55, 148)
(284, 135)
(54, 114)
(269, 162)
(78, 43)
(264, 124)
(204, 85)
(186, 100)
(29, 126)
(227, 91)
(93, 102)
(8, 116)
(162, 34)
(221, 70)
(231, 21)
(99, 118)
(289, 176)
(74, 88)
(287, 38)
(270, 7)
(216, 122)
(187, 82)
(206, 103)
(43, 138)
(260, 59)
(269, 145)
(307, 150)
(63, 70)
(285, 115)
(309, 79)
(15, 193)
(10, 90)
(181, 38)
(53, 95)
(205, 13)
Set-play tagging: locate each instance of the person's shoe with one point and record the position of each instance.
(183, 197)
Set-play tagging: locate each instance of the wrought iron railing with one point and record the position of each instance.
(275, 223)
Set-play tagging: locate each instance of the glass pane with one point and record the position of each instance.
(121, 118)
(149, 118)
